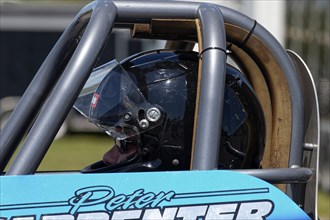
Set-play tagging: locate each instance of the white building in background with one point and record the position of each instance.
(270, 14)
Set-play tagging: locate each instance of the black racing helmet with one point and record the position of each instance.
(147, 104)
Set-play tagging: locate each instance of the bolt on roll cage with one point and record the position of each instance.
(58, 82)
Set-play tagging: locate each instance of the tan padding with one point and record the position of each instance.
(140, 30)
(179, 45)
(279, 93)
(258, 82)
(167, 29)
(185, 27)
(199, 37)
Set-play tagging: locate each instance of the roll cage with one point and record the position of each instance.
(292, 113)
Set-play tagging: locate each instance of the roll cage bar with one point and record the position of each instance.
(52, 93)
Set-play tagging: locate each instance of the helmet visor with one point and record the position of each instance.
(110, 98)
(83, 102)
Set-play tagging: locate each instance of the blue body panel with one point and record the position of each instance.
(158, 195)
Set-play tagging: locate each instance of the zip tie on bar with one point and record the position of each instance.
(211, 48)
(247, 37)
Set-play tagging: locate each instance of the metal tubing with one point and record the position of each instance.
(292, 78)
(66, 91)
(182, 10)
(281, 175)
(37, 92)
(46, 125)
(209, 121)
(143, 10)
(210, 106)
(236, 18)
(240, 20)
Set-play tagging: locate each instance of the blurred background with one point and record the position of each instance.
(29, 30)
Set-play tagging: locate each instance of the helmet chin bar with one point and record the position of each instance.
(58, 82)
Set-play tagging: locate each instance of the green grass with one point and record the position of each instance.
(74, 152)
(324, 206)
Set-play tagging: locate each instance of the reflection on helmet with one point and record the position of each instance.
(147, 104)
